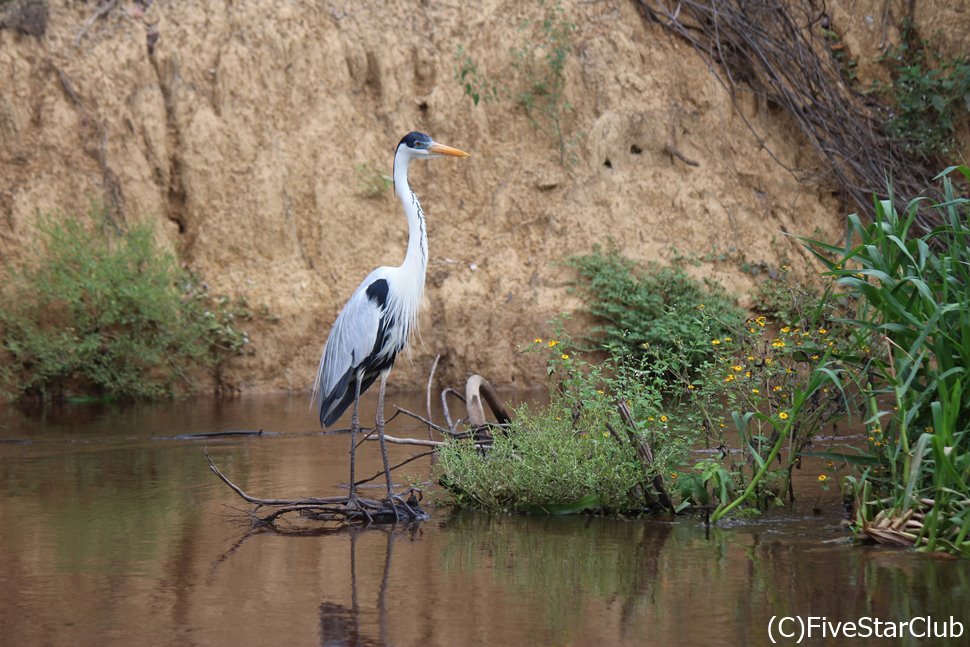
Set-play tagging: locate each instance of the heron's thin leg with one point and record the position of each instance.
(380, 434)
(354, 428)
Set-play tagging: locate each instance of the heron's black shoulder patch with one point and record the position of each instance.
(377, 292)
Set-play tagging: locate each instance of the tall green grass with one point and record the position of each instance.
(912, 324)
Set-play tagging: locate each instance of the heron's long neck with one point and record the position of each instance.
(416, 260)
(410, 279)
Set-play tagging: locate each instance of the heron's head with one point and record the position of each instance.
(420, 145)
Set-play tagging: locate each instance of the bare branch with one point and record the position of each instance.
(428, 396)
(102, 11)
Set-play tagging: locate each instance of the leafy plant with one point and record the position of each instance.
(104, 311)
(578, 452)
(930, 94)
(913, 312)
(476, 85)
(540, 61)
(656, 311)
(372, 184)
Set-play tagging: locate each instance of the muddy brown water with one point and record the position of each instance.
(113, 532)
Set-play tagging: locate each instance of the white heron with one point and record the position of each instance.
(375, 324)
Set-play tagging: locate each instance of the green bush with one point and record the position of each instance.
(103, 312)
(577, 453)
(929, 95)
(658, 312)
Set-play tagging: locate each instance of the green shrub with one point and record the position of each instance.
(657, 312)
(104, 312)
(929, 95)
(577, 452)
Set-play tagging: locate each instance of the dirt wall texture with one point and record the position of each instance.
(240, 128)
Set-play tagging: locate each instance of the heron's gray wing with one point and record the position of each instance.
(351, 341)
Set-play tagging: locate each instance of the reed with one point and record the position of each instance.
(912, 349)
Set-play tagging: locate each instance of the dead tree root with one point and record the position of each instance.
(345, 510)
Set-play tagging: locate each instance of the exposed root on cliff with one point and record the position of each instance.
(780, 51)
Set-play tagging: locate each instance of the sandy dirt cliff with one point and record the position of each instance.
(240, 127)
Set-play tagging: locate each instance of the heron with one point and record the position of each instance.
(376, 323)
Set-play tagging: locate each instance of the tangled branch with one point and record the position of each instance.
(778, 49)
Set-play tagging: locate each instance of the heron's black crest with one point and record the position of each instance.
(416, 140)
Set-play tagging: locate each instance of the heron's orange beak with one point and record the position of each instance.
(441, 149)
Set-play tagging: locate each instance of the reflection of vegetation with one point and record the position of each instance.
(562, 561)
(109, 497)
(103, 311)
(627, 579)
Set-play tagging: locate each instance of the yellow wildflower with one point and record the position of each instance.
(822, 331)
(553, 343)
(778, 343)
(783, 415)
(786, 329)
(537, 340)
(755, 391)
(715, 342)
(663, 418)
(823, 478)
(729, 378)
(737, 368)
(564, 356)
